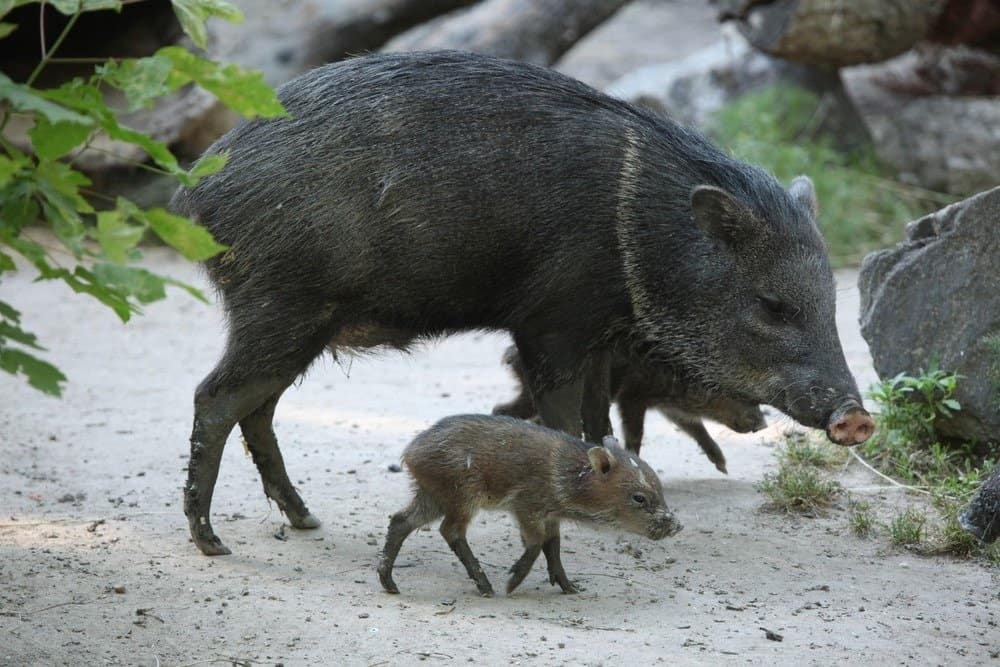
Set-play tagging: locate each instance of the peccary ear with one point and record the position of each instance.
(601, 460)
(804, 194)
(722, 216)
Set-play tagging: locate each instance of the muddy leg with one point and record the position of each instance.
(695, 428)
(552, 369)
(596, 400)
(421, 511)
(453, 531)
(259, 435)
(218, 406)
(550, 547)
(633, 413)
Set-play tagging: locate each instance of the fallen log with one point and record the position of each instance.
(832, 33)
(535, 31)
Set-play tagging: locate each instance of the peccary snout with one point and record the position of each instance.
(850, 424)
(665, 525)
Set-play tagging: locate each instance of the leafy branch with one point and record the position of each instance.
(40, 186)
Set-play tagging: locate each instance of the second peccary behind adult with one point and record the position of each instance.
(470, 462)
(415, 195)
(636, 387)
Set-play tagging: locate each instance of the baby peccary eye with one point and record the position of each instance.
(638, 499)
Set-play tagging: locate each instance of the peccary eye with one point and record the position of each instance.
(638, 499)
(778, 309)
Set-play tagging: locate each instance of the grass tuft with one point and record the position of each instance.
(798, 489)
(861, 517)
(907, 527)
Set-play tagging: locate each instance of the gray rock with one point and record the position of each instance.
(695, 88)
(936, 297)
(939, 142)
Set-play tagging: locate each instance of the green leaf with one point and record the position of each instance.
(10, 331)
(41, 375)
(952, 403)
(243, 91)
(8, 168)
(6, 262)
(29, 100)
(116, 236)
(138, 283)
(6, 29)
(190, 289)
(70, 7)
(53, 140)
(209, 165)
(141, 79)
(59, 184)
(82, 97)
(191, 240)
(192, 15)
(19, 208)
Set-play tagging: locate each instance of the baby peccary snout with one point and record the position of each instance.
(466, 463)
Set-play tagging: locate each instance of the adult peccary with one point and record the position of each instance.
(415, 195)
(982, 517)
(637, 386)
(470, 462)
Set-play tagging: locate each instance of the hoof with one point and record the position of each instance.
(306, 522)
(212, 546)
(387, 583)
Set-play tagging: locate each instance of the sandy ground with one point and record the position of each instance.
(91, 489)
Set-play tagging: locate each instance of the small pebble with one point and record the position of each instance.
(395, 467)
(119, 589)
(363, 614)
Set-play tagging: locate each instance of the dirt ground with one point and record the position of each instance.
(91, 490)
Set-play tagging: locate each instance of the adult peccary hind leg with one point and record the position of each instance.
(258, 432)
(420, 512)
(218, 407)
(257, 366)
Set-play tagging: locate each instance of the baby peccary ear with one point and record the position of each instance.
(804, 194)
(601, 460)
(722, 216)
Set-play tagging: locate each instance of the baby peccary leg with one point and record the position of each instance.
(532, 535)
(550, 547)
(453, 530)
(421, 511)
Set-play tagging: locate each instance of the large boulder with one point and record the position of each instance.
(935, 298)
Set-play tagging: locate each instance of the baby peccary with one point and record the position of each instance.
(471, 462)
(636, 387)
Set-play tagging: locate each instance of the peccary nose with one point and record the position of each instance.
(850, 425)
(666, 527)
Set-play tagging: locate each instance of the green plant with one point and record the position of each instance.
(907, 527)
(861, 518)
(95, 252)
(798, 489)
(863, 207)
(809, 449)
